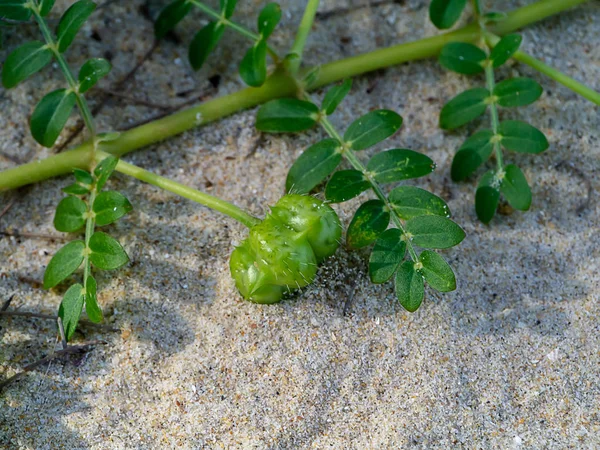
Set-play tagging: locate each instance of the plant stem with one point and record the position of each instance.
(348, 154)
(490, 84)
(185, 191)
(255, 37)
(303, 31)
(277, 85)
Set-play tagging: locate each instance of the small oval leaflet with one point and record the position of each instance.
(387, 254)
(437, 272)
(474, 152)
(110, 206)
(71, 21)
(15, 10)
(268, 19)
(286, 115)
(346, 184)
(104, 170)
(170, 16)
(203, 43)
(505, 48)
(444, 13)
(462, 57)
(107, 253)
(91, 72)
(521, 137)
(51, 115)
(70, 309)
(370, 220)
(487, 197)
(399, 164)
(410, 201)
(517, 92)
(24, 61)
(314, 165)
(253, 68)
(335, 95)
(92, 308)
(372, 128)
(227, 7)
(434, 232)
(63, 263)
(409, 285)
(69, 216)
(463, 108)
(515, 188)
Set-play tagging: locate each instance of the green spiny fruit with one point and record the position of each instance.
(281, 253)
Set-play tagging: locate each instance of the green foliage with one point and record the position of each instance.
(372, 128)
(464, 108)
(474, 152)
(444, 13)
(253, 68)
(70, 214)
(51, 115)
(399, 164)
(92, 308)
(463, 58)
(170, 16)
(314, 165)
(410, 201)
(204, 42)
(409, 285)
(505, 49)
(15, 10)
(437, 272)
(387, 255)
(110, 206)
(71, 21)
(345, 185)
(487, 197)
(335, 95)
(521, 137)
(268, 19)
(64, 263)
(517, 92)
(434, 232)
(104, 170)
(45, 7)
(24, 62)
(286, 115)
(91, 72)
(70, 309)
(370, 220)
(515, 188)
(106, 252)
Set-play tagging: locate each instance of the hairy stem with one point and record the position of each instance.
(303, 31)
(278, 85)
(348, 154)
(185, 191)
(254, 37)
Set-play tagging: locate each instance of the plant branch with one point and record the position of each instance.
(277, 85)
(490, 84)
(303, 31)
(185, 191)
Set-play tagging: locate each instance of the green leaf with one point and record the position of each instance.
(104, 170)
(434, 232)
(463, 58)
(474, 152)
(70, 309)
(107, 253)
(25, 61)
(227, 7)
(76, 189)
(268, 19)
(70, 214)
(46, 7)
(314, 165)
(335, 95)
(71, 21)
(372, 128)
(83, 177)
(204, 43)
(517, 92)
(521, 137)
(370, 220)
(494, 17)
(345, 184)
(487, 197)
(92, 71)
(253, 68)
(399, 164)
(63, 263)
(170, 16)
(15, 10)
(409, 285)
(515, 188)
(437, 272)
(92, 308)
(51, 115)
(387, 254)
(463, 108)
(286, 115)
(505, 48)
(110, 206)
(409, 202)
(444, 13)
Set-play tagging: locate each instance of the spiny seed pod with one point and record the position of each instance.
(282, 252)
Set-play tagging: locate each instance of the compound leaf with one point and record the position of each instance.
(370, 220)
(314, 165)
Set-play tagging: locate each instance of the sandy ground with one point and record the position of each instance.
(509, 360)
